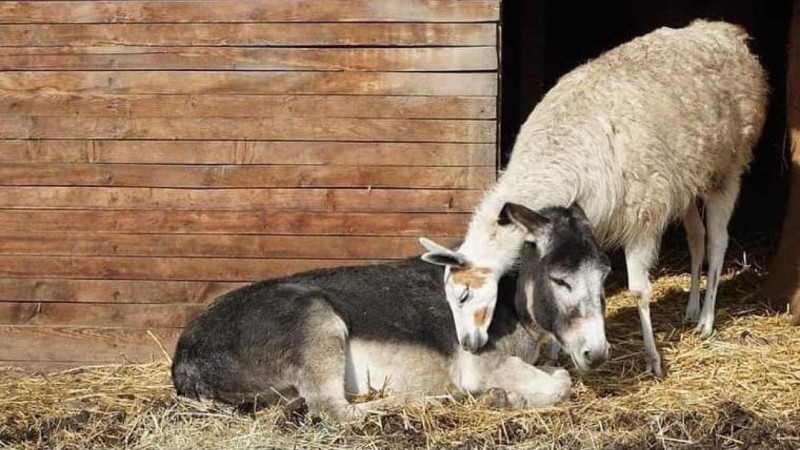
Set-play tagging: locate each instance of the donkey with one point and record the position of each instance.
(326, 333)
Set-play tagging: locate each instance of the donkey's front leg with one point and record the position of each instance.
(528, 386)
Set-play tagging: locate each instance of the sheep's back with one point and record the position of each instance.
(650, 125)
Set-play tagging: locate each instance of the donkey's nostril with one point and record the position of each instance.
(595, 358)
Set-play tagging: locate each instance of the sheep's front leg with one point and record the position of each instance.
(639, 257)
(528, 386)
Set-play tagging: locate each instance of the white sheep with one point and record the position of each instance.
(635, 137)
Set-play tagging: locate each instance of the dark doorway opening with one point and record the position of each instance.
(542, 40)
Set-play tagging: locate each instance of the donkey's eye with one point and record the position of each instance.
(464, 296)
(561, 283)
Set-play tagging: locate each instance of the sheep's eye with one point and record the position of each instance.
(464, 296)
(561, 283)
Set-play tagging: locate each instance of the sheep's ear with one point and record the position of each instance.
(577, 211)
(534, 223)
(442, 256)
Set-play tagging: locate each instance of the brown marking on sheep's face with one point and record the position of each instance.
(480, 316)
(473, 277)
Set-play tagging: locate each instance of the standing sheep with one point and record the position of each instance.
(635, 137)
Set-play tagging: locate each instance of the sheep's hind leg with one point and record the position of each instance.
(695, 237)
(719, 207)
(528, 386)
(639, 257)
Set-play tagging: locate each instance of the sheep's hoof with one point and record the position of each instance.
(653, 367)
(692, 314)
(704, 329)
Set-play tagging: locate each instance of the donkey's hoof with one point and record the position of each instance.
(494, 398)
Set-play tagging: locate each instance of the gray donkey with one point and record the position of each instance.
(326, 333)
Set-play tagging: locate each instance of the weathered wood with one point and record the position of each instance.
(250, 11)
(251, 34)
(784, 284)
(234, 222)
(178, 269)
(203, 176)
(112, 291)
(284, 128)
(85, 344)
(244, 152)
(227, 246)
(191, 82)
(275, 201)
(184, 106)
(389, 59)
(97, 315)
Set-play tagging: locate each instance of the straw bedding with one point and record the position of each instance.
(738, 389)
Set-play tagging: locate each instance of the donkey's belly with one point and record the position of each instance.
(394, 366)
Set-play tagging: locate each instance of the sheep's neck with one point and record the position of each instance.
(492, 246)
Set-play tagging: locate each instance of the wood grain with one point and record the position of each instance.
(251, 34)
(389, 59)
(286, 129)
(274, 201)
(179, 269)
(85, 344)
(247, 106)
(230, 246)
(112, 291)
(250, 11)
(246, 152)
(234, 222)
(98, 315)
(281, 83)
(244, 176)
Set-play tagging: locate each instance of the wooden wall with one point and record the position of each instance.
(154, 154)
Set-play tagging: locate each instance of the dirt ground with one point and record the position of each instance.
(738, 389)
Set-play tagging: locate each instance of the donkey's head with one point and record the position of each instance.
(562, 281)
(560, 285)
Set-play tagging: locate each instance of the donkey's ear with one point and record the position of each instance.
(577, 211)
(525, 218)
(442, 256)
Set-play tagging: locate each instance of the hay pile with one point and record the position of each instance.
(738, 389)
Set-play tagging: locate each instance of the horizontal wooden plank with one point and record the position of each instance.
(85, 344)
(276, 201)
(385, 59)
(112, 291)
(244, 152)
(204, 176)
(250, 11)
(283, 128)
(227, 246)
(179, 269)
(98, 315)
(185, 82)
(251, 34)
(239, 106)
(234, 222)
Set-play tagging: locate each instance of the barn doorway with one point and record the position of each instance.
(542, 40)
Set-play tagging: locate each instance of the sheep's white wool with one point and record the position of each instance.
(634, 136)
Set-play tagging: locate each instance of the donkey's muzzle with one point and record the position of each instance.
(473, 340)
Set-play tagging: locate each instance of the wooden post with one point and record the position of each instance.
(784, 285)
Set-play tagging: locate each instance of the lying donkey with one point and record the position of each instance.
(324, 333)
